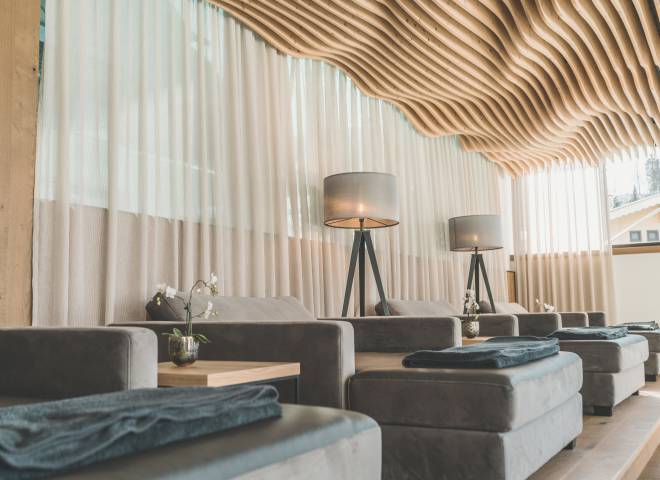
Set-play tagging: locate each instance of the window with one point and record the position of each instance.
(633, 186)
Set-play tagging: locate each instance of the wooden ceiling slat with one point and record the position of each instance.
(524, 83)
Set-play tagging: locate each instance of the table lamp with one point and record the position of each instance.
(361, 201)
(476, 233)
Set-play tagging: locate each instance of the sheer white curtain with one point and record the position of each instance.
(562, 254)
(174, 142)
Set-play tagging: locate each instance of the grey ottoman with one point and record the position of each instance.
(613, 370)
(652, 365)
(469, 423)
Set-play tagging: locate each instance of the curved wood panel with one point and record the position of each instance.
(525, 83)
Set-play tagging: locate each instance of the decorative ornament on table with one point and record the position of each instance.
(546, 307)
(470, 325)
(183, 347)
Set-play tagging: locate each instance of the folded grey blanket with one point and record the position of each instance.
(640, 326)
(498, 352)
(590, 333)
(46, 438)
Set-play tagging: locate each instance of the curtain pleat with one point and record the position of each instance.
(561, 241)
(174, 142)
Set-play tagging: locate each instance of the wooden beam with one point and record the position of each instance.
(19, 57)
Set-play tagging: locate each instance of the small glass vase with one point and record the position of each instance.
(183, 351)
(470, 328)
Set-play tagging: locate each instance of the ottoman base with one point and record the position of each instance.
(421, 452)
(602, 391)
(652, 365)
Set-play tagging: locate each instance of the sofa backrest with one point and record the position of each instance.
(438, 308)
(232, 309)
(502, 307)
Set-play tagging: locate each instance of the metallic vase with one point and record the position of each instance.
(470, 328)
(183, 350)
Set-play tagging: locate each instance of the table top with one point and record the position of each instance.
(212, 373)
(475, 340)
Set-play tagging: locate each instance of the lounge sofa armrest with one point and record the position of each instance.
(70, 362)
(324, 350)
(538, 324)
(404, 334)
(597, 319)
(574, 319)
(496, 325)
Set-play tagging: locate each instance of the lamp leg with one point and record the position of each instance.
(473, 267)
(487, 283)
(476, 277)
(357, 240)
(376, 272)
(361, 274)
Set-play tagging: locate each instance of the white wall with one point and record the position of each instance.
(637, 287)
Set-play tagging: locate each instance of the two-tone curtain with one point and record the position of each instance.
(561, 240)
(173, 142)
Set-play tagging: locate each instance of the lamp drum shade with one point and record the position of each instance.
(481, 232)
(349, 197)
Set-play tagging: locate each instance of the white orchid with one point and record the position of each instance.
(469, 302)
(546, 307)
(164, 291)
(209, 310)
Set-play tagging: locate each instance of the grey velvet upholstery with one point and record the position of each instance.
(604, 389)
(502, 307)
(491, 325)
(306, 442)
(538, 324)
(496, 325)
(325, 351)
(48, 363)
(652, 365)
(597, 319)
(232, 309)
(422, 308)
(414, 453)
(574, 319)
(613, 369)
(493, 400)
(609, 355)
(404, 334)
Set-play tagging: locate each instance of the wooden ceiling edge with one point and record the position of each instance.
(571, 88)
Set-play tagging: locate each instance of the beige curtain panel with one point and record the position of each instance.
(174, 142)
(561, 241)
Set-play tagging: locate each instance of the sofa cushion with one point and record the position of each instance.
(232, 309)
(609, 355)
(496, 400)
(418, 308)
(502, 307)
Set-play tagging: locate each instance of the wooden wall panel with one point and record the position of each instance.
(523, 82)
(19, 52)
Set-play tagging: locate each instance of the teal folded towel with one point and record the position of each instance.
(498, 352)
(46, 438)
(640, 326)
(590, 333)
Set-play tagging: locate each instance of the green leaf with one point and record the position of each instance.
(201, 338)
(177, 332)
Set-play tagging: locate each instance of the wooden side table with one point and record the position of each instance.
(475, 340)
(212, 373)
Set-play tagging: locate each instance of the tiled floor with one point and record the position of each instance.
(617, 447)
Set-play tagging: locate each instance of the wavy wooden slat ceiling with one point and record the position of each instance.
(525, 82)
